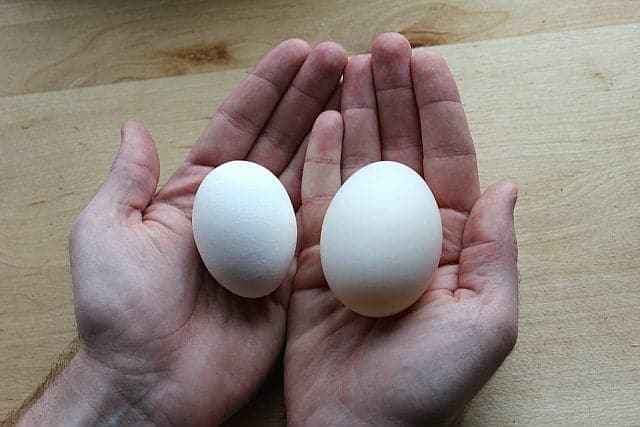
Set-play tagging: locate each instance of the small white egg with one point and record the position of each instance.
(381, 239)
(245, 228)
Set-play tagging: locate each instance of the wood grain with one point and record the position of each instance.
(557, 113)
(49, 45)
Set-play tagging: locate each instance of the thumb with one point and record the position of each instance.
(489, 257)
(134, 175)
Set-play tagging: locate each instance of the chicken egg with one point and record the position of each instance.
(381, 239)
(244, 227)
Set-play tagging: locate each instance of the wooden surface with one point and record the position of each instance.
(553, 97)
(50, 45)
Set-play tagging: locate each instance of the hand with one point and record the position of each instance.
(422, 365)
(177, 346)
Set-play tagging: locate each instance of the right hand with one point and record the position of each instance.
(419, 367)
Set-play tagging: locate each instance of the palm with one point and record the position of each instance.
(166, 312)
(423, 363)
(202, 350)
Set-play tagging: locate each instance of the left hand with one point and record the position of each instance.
(152, 321)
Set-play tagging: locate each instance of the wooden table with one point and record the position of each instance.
(553, 97)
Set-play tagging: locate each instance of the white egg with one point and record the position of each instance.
(245, 228)
(381, 239)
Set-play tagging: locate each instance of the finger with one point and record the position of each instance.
(361, 138)
(306, 97)
(321, 175)
(397, 113)
(449, 157)
(335, 99)
(291, 177)
(320, 181)
(134, 175)
(488, 261)
(240, 118)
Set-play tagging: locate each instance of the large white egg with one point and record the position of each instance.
(381, 239)
(245, 228)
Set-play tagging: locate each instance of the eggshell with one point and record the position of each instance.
(245, 228)
(381, 239)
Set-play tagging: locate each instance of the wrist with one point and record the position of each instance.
(87, 392)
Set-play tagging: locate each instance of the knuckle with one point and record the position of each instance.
(317, 199)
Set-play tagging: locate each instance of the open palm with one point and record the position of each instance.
(424, 364)
(184, 350)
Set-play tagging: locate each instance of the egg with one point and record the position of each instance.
(381, 239)
(244, 227)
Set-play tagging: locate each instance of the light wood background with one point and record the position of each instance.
(552, 90)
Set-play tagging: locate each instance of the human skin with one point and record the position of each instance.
(419, 367)
(160, 341)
